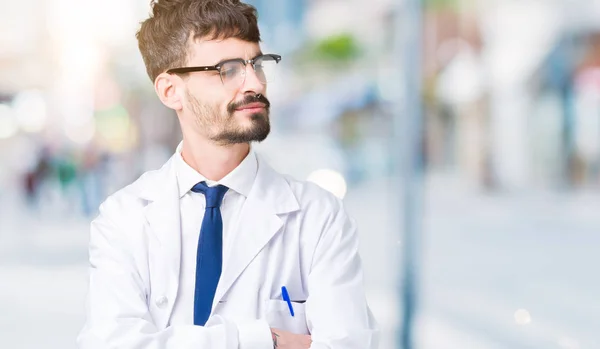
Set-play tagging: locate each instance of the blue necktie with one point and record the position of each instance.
(210, 252)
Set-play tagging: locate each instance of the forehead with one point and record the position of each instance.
(210, 52)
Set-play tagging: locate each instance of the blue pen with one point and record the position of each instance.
(286, 297)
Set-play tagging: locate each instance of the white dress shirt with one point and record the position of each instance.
(192, 206)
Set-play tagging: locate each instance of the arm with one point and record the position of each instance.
(337, 312)
(117, 312)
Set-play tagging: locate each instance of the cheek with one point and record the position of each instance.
(202, 99)
(213, 96)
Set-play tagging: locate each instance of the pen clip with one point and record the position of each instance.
(286, 297)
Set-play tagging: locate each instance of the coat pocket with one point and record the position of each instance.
(278, 316)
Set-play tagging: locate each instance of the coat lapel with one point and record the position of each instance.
(259, 221)
(163, 217)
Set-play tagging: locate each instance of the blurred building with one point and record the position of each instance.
(507, 91)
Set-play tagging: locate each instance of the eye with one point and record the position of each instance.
(265, 68)
(230, 70)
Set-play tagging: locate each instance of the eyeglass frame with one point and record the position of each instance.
(217, 67)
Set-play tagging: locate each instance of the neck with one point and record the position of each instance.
(211, 160)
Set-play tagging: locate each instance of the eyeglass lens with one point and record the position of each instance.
(234, 73)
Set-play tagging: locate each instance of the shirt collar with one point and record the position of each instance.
(239, 180)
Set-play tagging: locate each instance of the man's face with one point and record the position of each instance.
(224, 113)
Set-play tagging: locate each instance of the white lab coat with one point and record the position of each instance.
(290, 233)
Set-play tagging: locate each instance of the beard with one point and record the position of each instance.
(222, 128)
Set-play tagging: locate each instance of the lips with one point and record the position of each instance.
(252, 106)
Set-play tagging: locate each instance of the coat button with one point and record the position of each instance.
(162, 302)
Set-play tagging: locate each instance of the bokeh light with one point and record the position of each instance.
(329, 180)
(31, 110)
(8, 122)
(522, 317)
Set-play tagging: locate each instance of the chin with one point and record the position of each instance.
(256, 130)
(251, 121)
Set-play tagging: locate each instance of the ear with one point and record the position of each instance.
(169, 89)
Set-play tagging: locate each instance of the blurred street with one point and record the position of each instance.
(482, 263)
(499, 101)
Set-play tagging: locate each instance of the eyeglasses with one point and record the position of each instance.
(233, 71)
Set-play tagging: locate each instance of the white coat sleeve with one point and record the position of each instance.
(117, 315)
(337, 313)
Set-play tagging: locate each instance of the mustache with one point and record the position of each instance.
(249, 99)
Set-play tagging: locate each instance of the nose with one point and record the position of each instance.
(252, 83)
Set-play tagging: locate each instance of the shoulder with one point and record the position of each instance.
(309, 192)
(134, 197)
(308, 198)
(314, 201)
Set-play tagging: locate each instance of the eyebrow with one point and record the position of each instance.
(260, 53)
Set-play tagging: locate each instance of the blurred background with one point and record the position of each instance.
(503, 224)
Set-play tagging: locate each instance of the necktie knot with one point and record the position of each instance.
(214, 195)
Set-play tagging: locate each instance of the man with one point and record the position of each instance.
(216, 250)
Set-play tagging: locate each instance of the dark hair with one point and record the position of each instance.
(164, 37)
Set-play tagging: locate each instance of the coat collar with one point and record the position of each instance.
(270, 197)
(272, 188)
